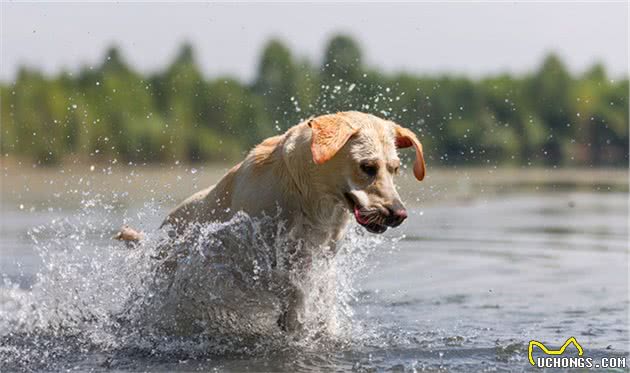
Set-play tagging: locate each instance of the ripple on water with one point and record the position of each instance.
(465, 300)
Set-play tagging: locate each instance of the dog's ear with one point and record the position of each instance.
(329, 134)
(405, 139)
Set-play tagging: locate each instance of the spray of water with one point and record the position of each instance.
(218, 289)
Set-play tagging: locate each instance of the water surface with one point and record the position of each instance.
(463, 285)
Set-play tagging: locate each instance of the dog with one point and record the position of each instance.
(317, 176)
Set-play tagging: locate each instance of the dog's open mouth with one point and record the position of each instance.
(367, 219)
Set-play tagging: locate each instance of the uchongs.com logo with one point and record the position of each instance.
(561, 358)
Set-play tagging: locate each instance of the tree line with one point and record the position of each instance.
(112, 113)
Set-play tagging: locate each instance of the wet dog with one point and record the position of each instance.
(317, 176)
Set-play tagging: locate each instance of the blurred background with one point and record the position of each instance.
(538, 84)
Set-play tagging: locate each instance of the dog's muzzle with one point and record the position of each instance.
(377, 220)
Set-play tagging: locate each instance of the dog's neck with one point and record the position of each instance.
(310, 196)
(283, 166)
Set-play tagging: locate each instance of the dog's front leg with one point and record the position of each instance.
(295, 266)
(291, 320)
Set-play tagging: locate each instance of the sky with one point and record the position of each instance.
(472, 38)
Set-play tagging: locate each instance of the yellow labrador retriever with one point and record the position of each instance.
(318, 175)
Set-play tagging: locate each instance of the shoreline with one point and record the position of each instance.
(616, 174)
(135, 184)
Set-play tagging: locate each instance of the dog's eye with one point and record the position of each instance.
(369, 169)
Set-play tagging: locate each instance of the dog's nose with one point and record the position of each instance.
(397, 214)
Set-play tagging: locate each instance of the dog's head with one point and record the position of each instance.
(357, 156)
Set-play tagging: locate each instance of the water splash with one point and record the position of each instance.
(218, 289)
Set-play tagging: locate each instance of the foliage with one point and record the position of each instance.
(113, 113)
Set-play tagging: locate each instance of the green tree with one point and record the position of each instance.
(182, 96)
(276, 82)
(549, 92)
(342, 60)
(113, 112)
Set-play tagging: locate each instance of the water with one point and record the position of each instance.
(463, 285)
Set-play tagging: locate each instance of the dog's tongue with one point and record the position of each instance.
(357, 215)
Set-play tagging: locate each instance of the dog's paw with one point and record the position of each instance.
(289, 322)
(128, 235)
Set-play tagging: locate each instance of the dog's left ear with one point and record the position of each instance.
(405, 139)
(330, 133)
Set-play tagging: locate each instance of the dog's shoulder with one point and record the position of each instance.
(273, 148)
(263, 153)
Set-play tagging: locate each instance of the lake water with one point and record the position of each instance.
(463, 285)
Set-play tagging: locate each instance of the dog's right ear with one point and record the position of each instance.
(330, 133)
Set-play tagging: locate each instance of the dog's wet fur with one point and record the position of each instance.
(319, 175)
